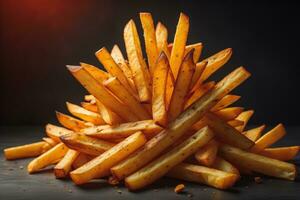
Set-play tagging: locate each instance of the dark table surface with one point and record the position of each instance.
(16, 183)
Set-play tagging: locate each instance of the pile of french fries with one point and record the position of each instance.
(146, 118)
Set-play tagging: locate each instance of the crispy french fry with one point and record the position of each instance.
(258, 163)
(160, 166)
(86, 144)
(160, 74)
(224, 165)
(89, 106)
(178, 127)
(196, 81)
(97, 73)
(99, 166)
(81, 160)
(255, 133)
(235, 123)
(269, 138)
(179, 43)
(138, 66)
(100, 92)
(281, 153)
(50, 141)
(114, 85)
(161, 34)
(148, 127)
(207, 154)
(182, 85)
(26, 151)
(150, 39)
(244, 116)
(230, 113)
(55, 132)
(225, 101)
(47, 158)
(197, 50)
(108, 116)
(71, 122)
(199, 174)
(62, 169)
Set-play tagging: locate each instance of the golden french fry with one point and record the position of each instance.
(224, 165)
(84, 114)
(161, 34)
(97, 73)
(81, 160)
(99, 166)
(179, 43)
(50, 141)
(235, 123)
(26, 151)
(197, 50)
(160, 166)
(199, 174)
(55, 132)
(225, 101)
(255, 133)
(244, 116)
(108, 116)
(230, 113)
(160, 74)
(62, 169)
(101, 93)
(208, 153)
(47, 158)
(258, 163)
(281, 153)
(269, 138)
(182, 85)
(71, 122)
(178, 127)
(196, 81)
(89, 106)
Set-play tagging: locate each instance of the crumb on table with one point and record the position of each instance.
(179, 188)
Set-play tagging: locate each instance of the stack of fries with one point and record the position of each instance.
(145, 120)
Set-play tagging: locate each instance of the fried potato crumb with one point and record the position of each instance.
(179, 188)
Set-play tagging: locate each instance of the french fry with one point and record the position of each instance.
(223, 165)
(161, 34)
(258, 163)
(160, 74)
(80, 160)
(90, 98)
(196, 81)
(100, 92)
(54, 132)
(181, 88)
(281, 153)
(50, 141)
(114, 85)
(62, 169)
(26, 151)
(47, 158)
(97, 73)
(207, 154)
(89, 106)
(199, 174)
(99, 166)
(84, 114)
(235, 123)
(160, 166)
(113, 68)
(178, 127)
(179, 43)
(150, 39)
(138, 66)
(225, 101)
(244, 116)
(269, 138)
(108, 116)
(229, 113)
(148, 127)
(71, 122)
(86, 144)
(197, 50)
(255, 133)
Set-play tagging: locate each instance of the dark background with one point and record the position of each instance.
(39, 37)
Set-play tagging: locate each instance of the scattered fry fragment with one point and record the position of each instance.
(179, 188)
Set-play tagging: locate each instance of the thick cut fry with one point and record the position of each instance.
(258, 163)
(108, 116)
(100, 92)
(196, 81)
(99, 166)
(55, 132)
(89, 106)
(182, 85)
(114, 85)
(269, 138)
(228, 114)
(161, 33)
(255, 133)
(215, 62)
(81, 160)
(235, 123)
(226, 133)
(84, 114)
(160, 166)
(71, 122)
(160, 74)
(138, 66)
(50, 141)
(113, 68)
(148, 127)
(26, 151)
(197, 50)
(225, 101)
(179, 43)
(207, 154)
(224, 165)
(199, 174)
(97, 73)
(47, 158)
(244, 116)
(281, 153)
(62, 169)
(178, 127)
(150, 39)
(86, 144)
